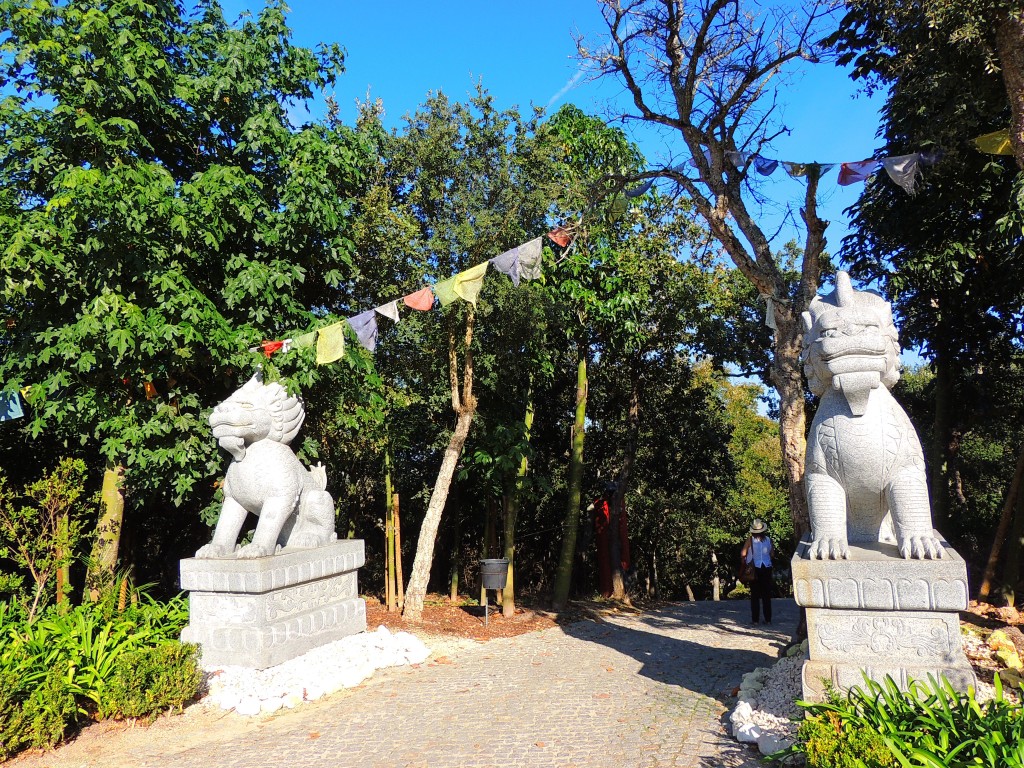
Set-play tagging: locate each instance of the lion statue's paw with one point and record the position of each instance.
(252, 551)
(925, 547)
(212, 550)
(829, 548)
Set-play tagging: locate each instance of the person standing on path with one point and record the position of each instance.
(757, 549)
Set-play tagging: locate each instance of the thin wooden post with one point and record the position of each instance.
(715, 584)
(398, 552)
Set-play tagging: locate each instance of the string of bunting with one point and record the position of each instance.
(520, 263)
(904, 170)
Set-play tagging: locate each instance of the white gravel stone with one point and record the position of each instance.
(747, 733)
(770, 743)
(342, 664)
(742, 713)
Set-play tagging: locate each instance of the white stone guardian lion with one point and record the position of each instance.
(255, 425)
(865, 473)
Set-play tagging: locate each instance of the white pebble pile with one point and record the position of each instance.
(766, 711)
(342, 664)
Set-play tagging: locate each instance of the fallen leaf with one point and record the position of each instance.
(602, 695)
(540, 744)
(314, 735)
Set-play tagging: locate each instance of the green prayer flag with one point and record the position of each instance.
(445, 291)
(304, 340)
(995, 143)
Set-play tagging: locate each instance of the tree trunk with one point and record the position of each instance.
(1011, 570)
(788, 380)
(941, 430)
(619, 530)
(1010, 48)
(464, 407)
(1004, 525)
(103, 562)
(563, 576)
(456, 559)
(508, 607)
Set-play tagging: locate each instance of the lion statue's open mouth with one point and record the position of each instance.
(256, 425)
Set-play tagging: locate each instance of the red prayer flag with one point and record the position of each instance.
(270, 347)
(850, 173)
(561, 237)
(422, 300)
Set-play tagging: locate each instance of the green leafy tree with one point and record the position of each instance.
(160, 214)
(949, 255)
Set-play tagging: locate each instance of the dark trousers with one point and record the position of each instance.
(761, 594)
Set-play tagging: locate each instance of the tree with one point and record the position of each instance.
(954, 274)
(160, 214)
(707, 71)
(461, 183)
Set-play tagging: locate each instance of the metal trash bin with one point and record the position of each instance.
(494, 573)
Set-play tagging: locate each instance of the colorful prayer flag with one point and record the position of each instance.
(304, 340)
(904, 170)
(560, 236)
(445, 291)
(270, 347)
(995, 143)
(365, 326)
(423, 299)
(469, 283)
(764, 166)
(389, 310)
(511, 261)
(330, 343)
(850, 173)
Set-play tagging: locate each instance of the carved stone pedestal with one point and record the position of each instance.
(261, 612)
(882, 615)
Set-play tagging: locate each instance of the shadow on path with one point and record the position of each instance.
(705, 648)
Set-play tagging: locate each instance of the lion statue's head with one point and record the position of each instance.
(255, 412)
(850, 343)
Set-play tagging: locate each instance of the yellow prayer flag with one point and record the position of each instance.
(469, 283)
(995, 143)
(330, 343)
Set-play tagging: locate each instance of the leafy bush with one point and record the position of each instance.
(928, 725)
(34, 718)
(153, 679)
(92, 660)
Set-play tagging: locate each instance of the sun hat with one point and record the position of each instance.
(758, 527)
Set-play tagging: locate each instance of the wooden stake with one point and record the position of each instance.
(398, 553)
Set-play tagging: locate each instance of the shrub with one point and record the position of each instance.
(38, 717)
(928, 725)
(151, 680)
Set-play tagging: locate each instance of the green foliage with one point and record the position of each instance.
(152, 679)
(40, 529)
(928, 725)
(36, 717)
(160, 213)
(89, 661)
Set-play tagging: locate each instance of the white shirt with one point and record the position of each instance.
(760, 552)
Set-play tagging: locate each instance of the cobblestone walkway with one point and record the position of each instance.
(633, 690)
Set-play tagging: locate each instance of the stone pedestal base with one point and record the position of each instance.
(878, 614)
(262, 612)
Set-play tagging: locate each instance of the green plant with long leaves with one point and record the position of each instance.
(929, 725)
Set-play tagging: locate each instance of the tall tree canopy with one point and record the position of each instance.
(707, 72)
(159, 214)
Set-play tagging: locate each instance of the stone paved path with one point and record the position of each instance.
(631, 691)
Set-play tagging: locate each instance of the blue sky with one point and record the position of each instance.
(524, 53)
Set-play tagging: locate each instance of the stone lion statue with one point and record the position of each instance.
(255, 425)
(865, 474)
